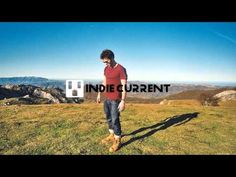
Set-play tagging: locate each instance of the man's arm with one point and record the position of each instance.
(99, 93)
(123, 83)
(121, 106)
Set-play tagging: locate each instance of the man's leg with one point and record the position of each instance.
(115, 116)
(107, 110)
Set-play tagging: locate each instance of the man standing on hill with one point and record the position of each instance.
(114, 74)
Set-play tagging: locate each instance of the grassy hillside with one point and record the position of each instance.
(148, 129)
(196, 94)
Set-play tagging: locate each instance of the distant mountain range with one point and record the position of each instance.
(60, 83)
(40, 81)
(32, 80)
(42, 90)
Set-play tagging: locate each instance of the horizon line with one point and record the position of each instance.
(197, 81)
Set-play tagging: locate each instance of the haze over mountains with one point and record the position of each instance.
(41, 81)
(60, 83)
(35, 89)
(32, 80)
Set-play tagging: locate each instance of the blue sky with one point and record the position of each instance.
(149, 51)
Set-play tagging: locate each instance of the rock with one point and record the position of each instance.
(226, 95)
(42, 94)
(26, 96)
(164, 102)
(8, 86)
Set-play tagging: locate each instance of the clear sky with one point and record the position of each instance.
(149, 51)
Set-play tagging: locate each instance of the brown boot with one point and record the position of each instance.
(116, 145)
(108, 139)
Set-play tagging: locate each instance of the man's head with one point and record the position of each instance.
(107, 57)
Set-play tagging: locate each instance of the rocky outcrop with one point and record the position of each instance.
(42, 94)
(29, 94)
(226, 95)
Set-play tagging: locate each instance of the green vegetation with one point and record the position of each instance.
(147, 128)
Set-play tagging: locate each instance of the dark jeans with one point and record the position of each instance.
(113, 115)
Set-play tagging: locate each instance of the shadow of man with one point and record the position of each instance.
(168, 122)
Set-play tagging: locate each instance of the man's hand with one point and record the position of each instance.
(98, 98)
(121, 106)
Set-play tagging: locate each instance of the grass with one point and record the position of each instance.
(147, 128)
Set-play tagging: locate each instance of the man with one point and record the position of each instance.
(114, 74)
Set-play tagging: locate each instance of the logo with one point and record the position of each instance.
(74, 88)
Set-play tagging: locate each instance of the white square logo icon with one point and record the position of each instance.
(74, 88)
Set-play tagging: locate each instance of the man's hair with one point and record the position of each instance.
(107, 54)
